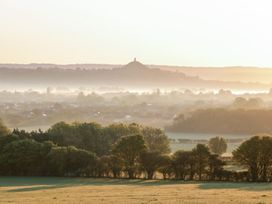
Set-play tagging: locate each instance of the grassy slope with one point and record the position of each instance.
(84, 190)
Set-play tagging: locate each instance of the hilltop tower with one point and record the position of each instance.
(135, 65)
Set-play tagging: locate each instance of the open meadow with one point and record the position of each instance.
(88, 190)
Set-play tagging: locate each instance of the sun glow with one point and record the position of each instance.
(177, 32)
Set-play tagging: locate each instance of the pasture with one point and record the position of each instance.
(88, 190)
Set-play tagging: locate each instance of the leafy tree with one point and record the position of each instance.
(77, 160)
(88, 136)
(115, 165)
(69, 161)
(58, 161)
(215, 166)
(39, 136)
(218, 145)
(192, 165)
(166, 166)
(201, 154)
(129, 149)
(6, 140)
(63, 134)
(21, 134)
(100, 140)
(23, 157)
(150, 162)
(91, 138)
(156, 140)
(103, 166)
(256, 155)
(180, 162)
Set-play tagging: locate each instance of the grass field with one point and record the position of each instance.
(84, 190)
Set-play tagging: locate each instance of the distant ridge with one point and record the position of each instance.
(233, 73)
(133, 75)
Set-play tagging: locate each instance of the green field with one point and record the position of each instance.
(88, 190)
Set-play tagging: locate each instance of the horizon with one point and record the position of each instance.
(146, 64)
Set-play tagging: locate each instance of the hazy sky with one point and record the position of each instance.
(174, 32)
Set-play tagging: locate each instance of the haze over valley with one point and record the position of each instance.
(40, 95)
(125, 101)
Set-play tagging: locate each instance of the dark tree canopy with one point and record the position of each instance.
(126, 151)
(100, 140)
(150, 162)
(201, 154)
(129, 149)
(256, 155)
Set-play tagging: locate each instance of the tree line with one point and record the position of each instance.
(223, 120)
(125, 151)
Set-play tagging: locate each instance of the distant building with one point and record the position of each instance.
(227, 156)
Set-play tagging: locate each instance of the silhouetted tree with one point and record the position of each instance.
(115, 165)
(23, 157)
(166, 166)
(256, 155)
(69, 161)
(150, 162)
(129, 149)
(180, 162)
(201, 154)
(215, 166)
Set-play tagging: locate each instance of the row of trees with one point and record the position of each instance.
(129, 158)
(96, 138)
(223, 120)
(139, 154)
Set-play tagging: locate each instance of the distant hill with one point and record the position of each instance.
(235, 73)
(134, 75)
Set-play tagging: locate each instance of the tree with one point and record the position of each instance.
(69, 161)
(256, 155)
(6, 140)
(23, 157)
(129, 149)
(156, 140)
(103, 166)
(180, 162)
(150, 162)
(115, 165)
(218, 145)
(88, 136)
(166, 166)
(192, 165)
(77, 160)
(201, 154)
(63, 134)
(215, 166)
(58, 161)
(91, 138)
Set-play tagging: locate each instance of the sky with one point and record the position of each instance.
(167, 32)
